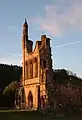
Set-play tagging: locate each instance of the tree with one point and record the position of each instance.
(9, 94)
(8, 74)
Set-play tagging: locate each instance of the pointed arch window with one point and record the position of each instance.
(26, 70)
(36, 67)
(31, 69)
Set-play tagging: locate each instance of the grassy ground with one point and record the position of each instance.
(24, 115)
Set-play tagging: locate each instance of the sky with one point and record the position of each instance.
(61, 20)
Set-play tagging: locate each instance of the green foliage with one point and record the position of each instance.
(62, 76)
(76, 81)
(64, 82)
(11, 88)
(9, 73)
(9, 94)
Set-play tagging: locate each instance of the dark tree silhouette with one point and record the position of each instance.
(8, 74)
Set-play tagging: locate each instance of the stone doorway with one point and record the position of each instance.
(30, 100)
(23, 95)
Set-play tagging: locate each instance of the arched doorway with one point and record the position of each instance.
(30, 100)
(23, 95)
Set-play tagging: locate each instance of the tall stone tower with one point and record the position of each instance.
(37, 73)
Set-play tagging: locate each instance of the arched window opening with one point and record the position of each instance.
(30, 100)
(25, 69)
(28, 69)
(31, 69)
(36, 67)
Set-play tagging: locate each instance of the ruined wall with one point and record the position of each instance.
(36, 63)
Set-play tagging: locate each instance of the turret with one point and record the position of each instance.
(24, 39)
(25, 29)
(25, 42)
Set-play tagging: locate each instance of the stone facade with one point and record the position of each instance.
(37, 72)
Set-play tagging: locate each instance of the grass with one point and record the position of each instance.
(25, 115)
(21, 115)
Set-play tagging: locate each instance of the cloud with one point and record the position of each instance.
(15, 59)
(59, 17)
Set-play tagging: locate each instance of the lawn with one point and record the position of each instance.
(25, 115)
